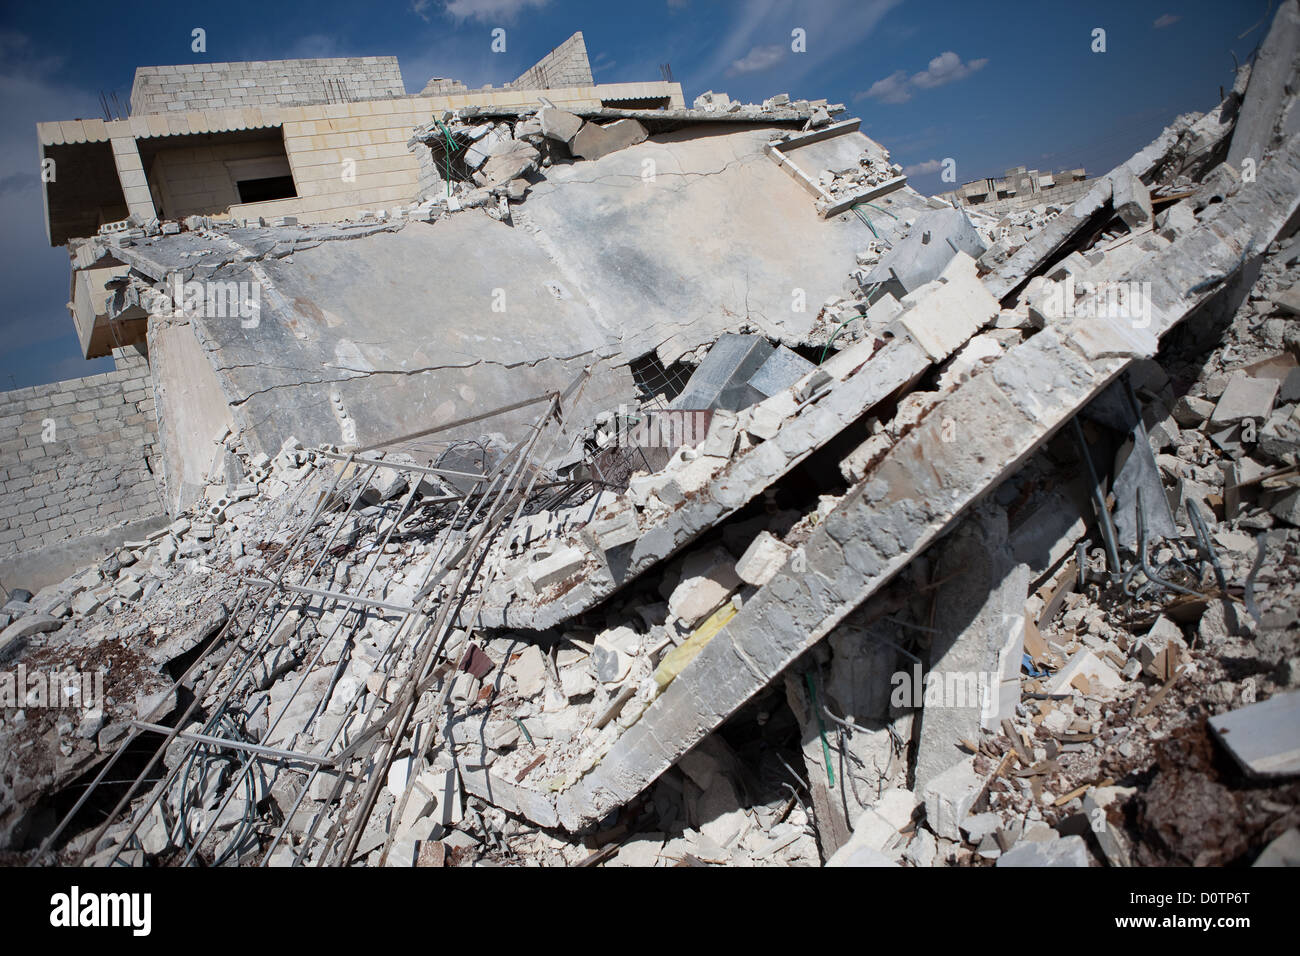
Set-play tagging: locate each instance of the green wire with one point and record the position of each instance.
(878, 209)
(821, 724)
(863, 216)
(451, 148)
(525, 730)
(839, 328)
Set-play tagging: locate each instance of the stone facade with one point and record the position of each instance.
(77, 457)
(566, 65)
(215, 86)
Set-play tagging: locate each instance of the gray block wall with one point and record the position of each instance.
(75, 459)
(566, 65)
(213, 86)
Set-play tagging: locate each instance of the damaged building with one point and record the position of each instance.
(559, 474)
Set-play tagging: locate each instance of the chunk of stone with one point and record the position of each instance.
(519, 160)
(1085, 672)
(1264, 737)
(941, 315)
(1284, 851)
(612, 652)
(529, 672)
(765, 556)
(1131, 199)
(556, 568)
(558, 124)
(949, 797)
(1161, 649)
(593, 141)
(1101, 804)
(1067, 851)
(1245, 397)
(25, 627)
(1189, 411)
(708, 578)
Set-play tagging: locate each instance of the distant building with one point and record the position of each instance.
(1020, 188)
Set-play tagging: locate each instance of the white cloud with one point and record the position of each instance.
(946, 68)
(757, 59)
(1166, 20)
(898, 87)
(921, 169)
(834, 28)
(892, 89)
(489, 11)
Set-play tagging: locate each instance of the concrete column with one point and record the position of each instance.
(130, 173)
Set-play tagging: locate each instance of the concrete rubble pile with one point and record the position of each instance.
(995, 561)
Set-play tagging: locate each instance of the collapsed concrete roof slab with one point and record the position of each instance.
(374, 332)
(696, 233)
(610, 264)
(918, 491)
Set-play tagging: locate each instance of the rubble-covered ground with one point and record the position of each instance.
(384, 659)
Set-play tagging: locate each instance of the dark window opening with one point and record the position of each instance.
(264, 190)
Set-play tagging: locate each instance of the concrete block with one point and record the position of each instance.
(1131, 199)
(943, 314)
(593, 141)
(1245, 397)
(949, 797)
(1264, 737)
(765, 556)
(708, 577)
(556, 568)
(1066, 851)
(558, 124)
(1084, 667)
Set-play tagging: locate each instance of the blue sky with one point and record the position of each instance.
(991, 85)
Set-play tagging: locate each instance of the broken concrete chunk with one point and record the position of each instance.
(556, 568)
(1103, 808)
(1288, 300)
(708, 578)
(1087, 674)
(1066, 851)
(762, 559)
(1245, 397)
(942, 315)
(558, 124)
(1161, 650)
(949, 797)
(593, 142)
(1189, 411)
(515, 162)
(529, 672)
(1284, 851)
(1131, 199)
(1264, 737)
(612, 654)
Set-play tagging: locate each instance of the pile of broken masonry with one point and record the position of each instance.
(746, 651)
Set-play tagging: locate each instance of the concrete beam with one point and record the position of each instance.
(1271, 75)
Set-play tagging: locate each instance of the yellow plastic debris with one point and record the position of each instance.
(675, 661)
